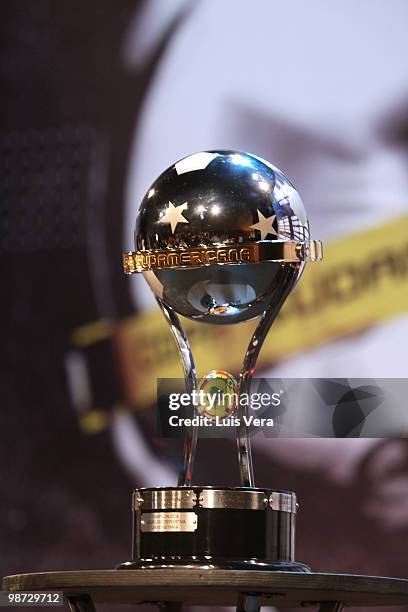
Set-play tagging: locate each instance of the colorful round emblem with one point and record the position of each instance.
(218, 395)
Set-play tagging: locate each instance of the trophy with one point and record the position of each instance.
(221, 237)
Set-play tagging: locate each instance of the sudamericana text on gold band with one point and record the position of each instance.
(142, 261)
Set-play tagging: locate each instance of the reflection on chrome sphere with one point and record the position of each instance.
(220, 198)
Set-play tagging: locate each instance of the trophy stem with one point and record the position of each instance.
(246, 469)
(190, 376)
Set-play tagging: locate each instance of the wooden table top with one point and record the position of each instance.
(210, 586)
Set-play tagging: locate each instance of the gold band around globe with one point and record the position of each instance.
(192, 257)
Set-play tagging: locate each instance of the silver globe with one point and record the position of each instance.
(220, 198)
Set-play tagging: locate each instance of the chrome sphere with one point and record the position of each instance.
(220, 198)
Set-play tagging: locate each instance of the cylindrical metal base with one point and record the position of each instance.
(236, 528)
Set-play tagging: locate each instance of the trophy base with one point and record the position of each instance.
(216, 563)
(209, 527)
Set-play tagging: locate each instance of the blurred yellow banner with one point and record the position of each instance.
(362, 280)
